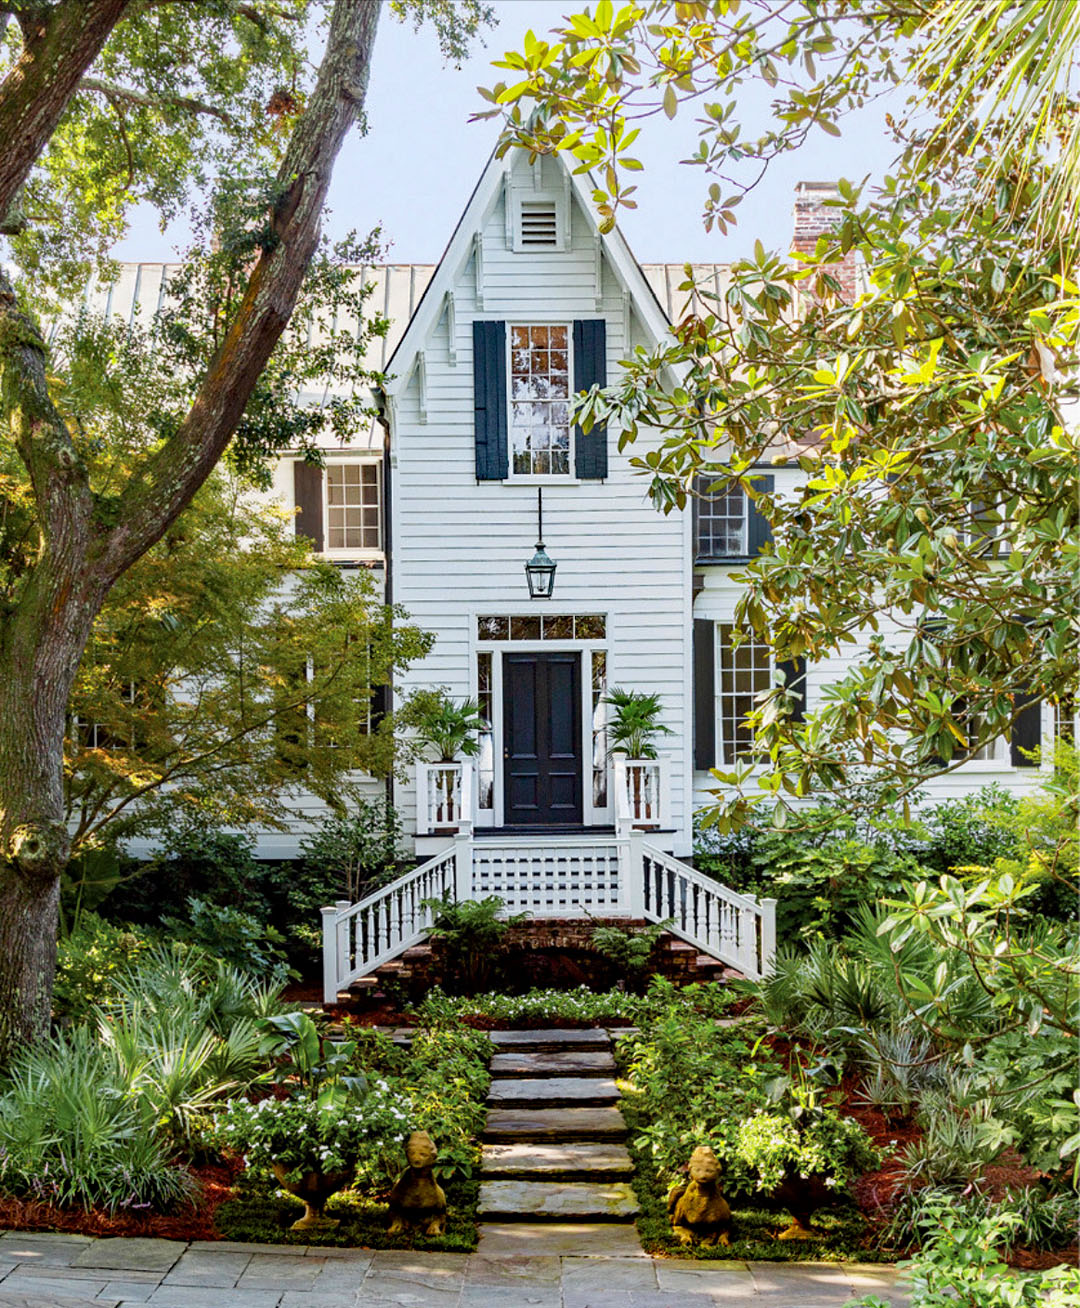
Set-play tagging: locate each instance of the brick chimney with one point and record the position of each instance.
(813, 219)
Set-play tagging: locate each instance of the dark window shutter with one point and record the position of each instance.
(758, 531)
(308, 488)
(794, 671)
(590, 369)
(1026, 729)
(704, 694)
(489, 399)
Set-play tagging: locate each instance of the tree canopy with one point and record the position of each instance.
(931, 543)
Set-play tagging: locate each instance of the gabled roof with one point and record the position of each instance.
(459, 249)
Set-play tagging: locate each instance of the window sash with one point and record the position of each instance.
(743, 672)
(722, 523)
(540, 370)
(353, 506)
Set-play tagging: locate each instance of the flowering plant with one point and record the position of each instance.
(306, 1135)
(770, 1146)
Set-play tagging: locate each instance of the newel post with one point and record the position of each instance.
(635, 880)
(768, 936)
(463, 866)
(330, 965)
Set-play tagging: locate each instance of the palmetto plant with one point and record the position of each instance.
(635, 723)
(448, 726)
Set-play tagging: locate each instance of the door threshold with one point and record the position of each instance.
(541, 831)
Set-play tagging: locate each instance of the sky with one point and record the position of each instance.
(413, 172)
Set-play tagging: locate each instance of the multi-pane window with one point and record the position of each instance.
(485, 697)
(352, 506)
(534, 626)
(721, 522)
(540, 401)
(744, 666)
(599, 728)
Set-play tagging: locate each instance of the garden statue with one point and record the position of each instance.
(417, 1200)
(698, 1212)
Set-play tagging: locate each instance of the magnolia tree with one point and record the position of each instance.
(931, 543)
(104, 103)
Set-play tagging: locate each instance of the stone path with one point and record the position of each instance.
(74, 1271)
(556, 1229)
(553, 1151)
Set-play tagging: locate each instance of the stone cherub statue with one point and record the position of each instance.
(417, 1200)
(698, 1212)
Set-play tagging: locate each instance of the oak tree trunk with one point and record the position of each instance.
(44, 632)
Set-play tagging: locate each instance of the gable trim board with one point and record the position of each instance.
(462, 247)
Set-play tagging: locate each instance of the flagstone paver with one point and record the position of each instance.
(549, 1161)
(531, 1264)
(553, 1062)
(570, 1201)
(587, 1125)
(553, 1091)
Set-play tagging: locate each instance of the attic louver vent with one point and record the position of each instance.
(539, 227)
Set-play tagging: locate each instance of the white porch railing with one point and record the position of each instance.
(443, 797)
(357, 938)
(738, 929)
(642, 787)
(561, 876)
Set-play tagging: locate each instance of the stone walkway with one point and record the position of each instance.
(74, 1271)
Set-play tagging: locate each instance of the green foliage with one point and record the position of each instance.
(445, 725)
(959, 1264)
(957, 491)
(87, 963)
(1037, 1218)
(206, 692)
(96, 1115)
(348, 856)
(635, 722)
(235, 937)
(198, 860)
(578, 1005)
(473, 936)
(630, 949)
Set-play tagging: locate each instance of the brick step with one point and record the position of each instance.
(534, 1161)
(553, 1092)
(560, 1062)
(558, 1201)
(553, 1125)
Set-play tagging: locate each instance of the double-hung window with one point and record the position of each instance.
(744, 665)
(540, 401)
(352, 506)
(721, 522)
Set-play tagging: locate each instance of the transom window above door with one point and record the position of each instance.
(548, 626)
(540, 401)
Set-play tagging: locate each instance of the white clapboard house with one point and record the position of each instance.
(528, 305)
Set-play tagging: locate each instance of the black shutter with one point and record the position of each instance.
(1026, 729)
(308, 494)
(489, 399)
(794, 671)
(590, 369)
(704, 694)
(758, 531)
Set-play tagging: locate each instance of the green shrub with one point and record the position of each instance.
(349, 856)
(203, 863)
(87, 963)
(578, 1005)
(473, 937)
(233, 936)
(74, 1130)
(630, 949)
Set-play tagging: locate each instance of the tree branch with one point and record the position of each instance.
(127, 95)
(164, 486)
(60, 43)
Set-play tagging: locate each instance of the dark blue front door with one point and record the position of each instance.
(542, 740)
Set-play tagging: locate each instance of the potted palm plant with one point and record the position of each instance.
(633, 732)
(449, 729)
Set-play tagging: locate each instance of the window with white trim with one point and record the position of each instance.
(722, 522)
(744, 667)
(353, 506)
(540, 400)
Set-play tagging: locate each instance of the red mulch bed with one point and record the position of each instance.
(216, 1182)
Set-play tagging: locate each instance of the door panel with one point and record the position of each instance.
(542, 764)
